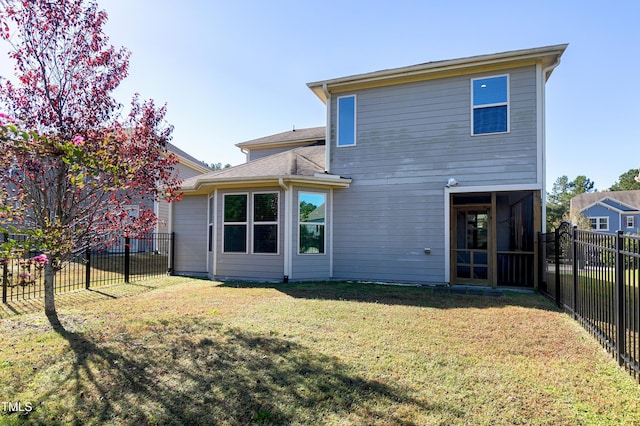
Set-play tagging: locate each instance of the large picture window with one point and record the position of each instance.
(347, 121)
(312, 211)
(235, 223)
(265, 223)
(490, 105)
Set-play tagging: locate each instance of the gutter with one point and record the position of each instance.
(327, 140)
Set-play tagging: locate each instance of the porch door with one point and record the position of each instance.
(471, 246)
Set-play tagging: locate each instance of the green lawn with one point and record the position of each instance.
(185, 351)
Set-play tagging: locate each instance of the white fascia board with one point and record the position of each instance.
(608, 207)
(320, 179)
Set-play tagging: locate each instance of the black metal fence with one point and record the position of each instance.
(127, 260)
(595, 277)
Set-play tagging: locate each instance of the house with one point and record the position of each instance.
(187, 166)
(610, 211)
(432, 173)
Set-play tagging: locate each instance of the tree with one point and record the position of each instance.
(627, 181)
(216, 166)
(71, 161)
(559, 200)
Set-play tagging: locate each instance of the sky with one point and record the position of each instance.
(232, 71)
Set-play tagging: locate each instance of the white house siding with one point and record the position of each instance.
(411, 139)
(190, 227)
(252, 266)
(310, 266)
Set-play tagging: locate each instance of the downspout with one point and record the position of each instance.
(288, 212)
(545, 71)
(214, 254)
(327, 140)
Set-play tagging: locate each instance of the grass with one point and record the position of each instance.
(198, 352)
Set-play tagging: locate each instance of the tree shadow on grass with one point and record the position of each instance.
(195, 371)
(433, 297)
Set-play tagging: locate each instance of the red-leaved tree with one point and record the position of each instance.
(72, 161)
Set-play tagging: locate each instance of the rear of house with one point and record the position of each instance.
(447, 168)
(432, 173)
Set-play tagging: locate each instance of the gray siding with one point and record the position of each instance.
(248, 265)
(186, 172)
(190, 227)
(182, 172)
(255, 154)
(410, 139)
(163, 216)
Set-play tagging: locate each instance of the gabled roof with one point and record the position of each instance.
(188, 160)
(303, 165)
(621, 201)
(546, 56)
(292, 137)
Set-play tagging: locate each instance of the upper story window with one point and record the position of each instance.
(599, 223)
(490, 105)
(346, 121)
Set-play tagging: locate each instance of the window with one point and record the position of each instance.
(265, 223)
(490, 105)
(211, 224)
(312, 221)
(347, 121)
(235, 223)
(599, 223)
(630, 222)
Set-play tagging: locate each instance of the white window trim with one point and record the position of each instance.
(313, 223)
(224, 200)
(597, 219)
(276, 222)
(507, 103)
(355, 121)
(631, 222)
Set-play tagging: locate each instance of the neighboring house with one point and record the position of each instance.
(610, 211)
(188, 166)
(432, 173)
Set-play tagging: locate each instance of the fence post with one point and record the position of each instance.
(574, 270)
(5, 275)
(557, 255)
(619, 298)
(87, 271)
(172, 242)
(127, 258)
